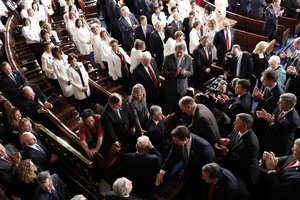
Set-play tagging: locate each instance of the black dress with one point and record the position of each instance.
(260, 65)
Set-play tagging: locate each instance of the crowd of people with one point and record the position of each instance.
(231, 128)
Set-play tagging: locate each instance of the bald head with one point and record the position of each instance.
(28, 138)
(28, 93)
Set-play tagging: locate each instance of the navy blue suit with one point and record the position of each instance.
(127, 32)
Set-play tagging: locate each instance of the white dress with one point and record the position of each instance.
(136, 56)
(106, 50)
(60, 69)
(162, 16)
(82, 38)
(47, 65)
(48, 6)
(96, 44)
(169, 47)
(194, 39)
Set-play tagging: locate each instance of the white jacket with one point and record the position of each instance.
(114, 64)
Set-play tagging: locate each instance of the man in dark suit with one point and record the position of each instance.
(187, 26)
(292, 8)
(194, 152)
(202, 62)
(267, 98)
(271, 19)
(28, 102)
(283, 183)
(223, 41)
(177, 69)
(282, 125)
(51, 187)
(176, 23)
(10, 158)
(143, 31)
(290, 57)
(257, 9)
(127, 24)
(242, 103)
(142, 167)
(38, 154)
(239, 64)
(155, 129)
(11, 81)
(240, 151)
(156, 44)
(245, 7)
(204, 123)
(147, 74)
(118, 121)
(223, 185)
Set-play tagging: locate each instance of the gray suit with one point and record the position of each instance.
(176, 86)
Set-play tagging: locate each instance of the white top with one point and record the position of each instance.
(162, 17)
(47, 65)
(31, 35)
(194, 39)
(105, 49)
(135, 56)
(169, 47)
(114, 64)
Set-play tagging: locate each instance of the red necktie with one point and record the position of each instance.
(290, 164)
(152, 76)
(280, 116)
(8, 159)
(211, 191)
(227, 41)
(123, 61)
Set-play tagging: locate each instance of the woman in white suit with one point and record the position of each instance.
(96, 44)
(82, 37)
(105, 48)
(60, 65)
(79, 79)
(195, 36)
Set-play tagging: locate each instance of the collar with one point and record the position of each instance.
(156, 122)
(270, 88)
(285, 112)
(194, 110)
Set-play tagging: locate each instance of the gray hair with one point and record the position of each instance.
(213, 170)
(143, 144)
(43, 177)
(246, 119)
(186, 100)
(120, 187)
(146, 55)
(297, 41)
(289, 99)
(274, 59)
(154, 110)
(180, 45)
(124, 9)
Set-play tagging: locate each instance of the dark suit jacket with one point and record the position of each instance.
(271, 21)
(139, 34)
(242, 157)
(176, 84)
(142, 170)
(220, 44)
(140, 75)
(40, 159)
(59, 186)
(176, 27)
(186, 28)
(229, 187)
(117, 129)
(157, 48)
(280, 135)
(204, 124)
(201, 153)
(257, 9)
(246, 67)
(8, 171)
(126, 30)
(156, 134)
(10, 87)
(291, 7)
(284, 184)
(292, 86)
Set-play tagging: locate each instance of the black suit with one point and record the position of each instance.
(11, 87)
(117, 129)
(60, 187)
(40, 158)
(280, 135)
(293, 85)
(220, 44)
(201, 153)
(112, 196)
(204, 124)
(140, 75)
(176, 25)
(187, 26)
(201, 63)
(139, 34)
(291, 7)
(8, 170)
(257, 9)
(284, 184)
(156, 134)
(142, 170)
(241, 158)
(229, 187)
(157, 49)
(271, 23)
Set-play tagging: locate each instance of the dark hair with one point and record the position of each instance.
(213, 170)
(244, 83)
(270, 75)
(45, 44)
(71, 56)
(56, 51)
(169, 33)
(173, 8)
(43, 33)
(113, 41)
(3, 64)
(181, 132)
(87, 113)
(142, 17)
(114, 98)
(76, 22)
(209, 8)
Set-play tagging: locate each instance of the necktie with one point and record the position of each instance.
(227, 41)
(206, 52)
(154, 80)
(185, 154)
(290, 164)
(118, 113)
(211, 191)
(145, 31)
(55, 194)
(158, 17)
(237, 138)
(8, 159)
(11, 76)
(123, 61)
(280, 116)
(40, 149)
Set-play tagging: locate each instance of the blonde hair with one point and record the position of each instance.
(137, 88)
(261, 47)
(25, 171)
(22, 122)
(143, 144)
(11, 117)
(214, 23)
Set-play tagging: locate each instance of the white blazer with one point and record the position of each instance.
(96, 44)
(114, 64)
(135, 56)
(60, 69)
(76, 81)
(31, 36)
(194, 39)
(47, 65)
